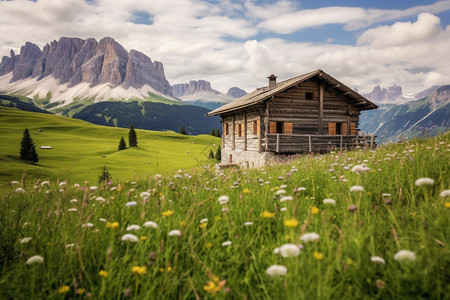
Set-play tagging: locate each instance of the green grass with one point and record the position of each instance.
(336, 266)
(80, 149)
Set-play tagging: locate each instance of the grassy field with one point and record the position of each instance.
(80, 149)
(350, 225)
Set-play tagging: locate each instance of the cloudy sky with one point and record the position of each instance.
(240, 42)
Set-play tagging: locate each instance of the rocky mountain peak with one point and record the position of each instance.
(236, 92)
(382, 95)
(193, 87)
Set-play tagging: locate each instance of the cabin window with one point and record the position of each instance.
(309, 96)
(281, 127)
(256, 127)
(338, 128)
(239, 130)
(226, 128)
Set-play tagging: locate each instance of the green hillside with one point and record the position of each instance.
(80, 149)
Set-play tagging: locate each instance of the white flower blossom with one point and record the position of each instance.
(378, 259)
(131, 203)
(100, 199)
(90, 225)
(223, 200)
(175, 232)
(93, 188)
(72, 209)
(360, 169)
(25, 240)
(424, 181)
(37, 259)
(329, 201)
(205, 220)
(276, 270)
(129, 238)
(356, 188)
(20, 190)
(286, 198)
(405, 255)
(281, 192)
(73, 201)
(444, 194)
(133, 227)
(248, 223)
(310, 237)
(227, 243)
(150, 224)
(144, 194)
(289, 250)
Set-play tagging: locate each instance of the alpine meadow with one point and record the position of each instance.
(362, 224)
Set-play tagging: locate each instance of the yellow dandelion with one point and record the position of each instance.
(447, 204)
(208, 245)
(276, 188)
(291, 223)
(169, 269)
(266, 214)
(103, 273)
(318, 255)
(212, 288)
(203, 225)
(63, 289)
(161, 270)
(218, 218)
(182, 223)
(246, 191)
(81, 291)
(413, 213)
(287, 237)
(139, 270)
(143, 237)
(112, 225)
(119, 188)
(167, 213)
(314, 210)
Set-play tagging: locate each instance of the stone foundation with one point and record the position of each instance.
(247, 159)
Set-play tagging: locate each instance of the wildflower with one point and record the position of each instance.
(63, 289)
(90, 225)
(102, 220)
(175, 232)
(182, 223)
(380, 283)
(352, 208)
(291, 223)
(100, 199)
(73, 201)
(248, 223)
(37, 259)
(203, 225)
(103, 273)
(150, 224)
(20, 190)
(167, 213)
(404, 255)
(386, 195)
(329, 201)
(444, 194)
(283, 209)
(205, 220)
(72, 209)
(224, 209)
(276, 251)
(447, 204)
(112, 225)
(46, 182)
(360, 168)
(246, 191)
(223, 200)
(139, 270)
(286, 198)
(289, 250)
(133, 227)
(424, 181)
(129, 238)
(227, 243)
(70, 245)
(25, 240)
(131, 203)
(208, 245)
(356, 188)
(310, 237)
(80, 291)
(281, 192)
(318, 255)
(266, 214)
(377, 259)
(93, 188)
(314, 210)
(211, 287)
(276, 270)
(144, 194)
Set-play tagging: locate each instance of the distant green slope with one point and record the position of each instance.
(80, 149)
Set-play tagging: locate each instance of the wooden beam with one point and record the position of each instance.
(320, 108)
(266, 125)
(233, 135)
(260, 135)
(245, 131)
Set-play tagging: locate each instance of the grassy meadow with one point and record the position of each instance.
(80, 149)
(365, 224)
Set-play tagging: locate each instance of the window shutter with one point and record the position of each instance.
(258, 127)
(331, 128)
(353, 129)
(273, 127)
(287, 128)
(344, 129)
(225, 129)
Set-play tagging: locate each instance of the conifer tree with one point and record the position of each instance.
(104, 176)
(182, 131)
(218, 133)
(132, 138)
(122, 144)
(212, 132)
(211, 155)
(27, 148)
(218, 155)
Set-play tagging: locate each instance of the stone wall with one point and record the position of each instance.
(247, 159)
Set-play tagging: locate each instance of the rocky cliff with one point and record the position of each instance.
(236, 92)
(73, 61)
(392, 94)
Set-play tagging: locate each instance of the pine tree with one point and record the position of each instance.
(213, 132)
(104, 176)
(218, 155)
(218, 133)
(182, 131)
(122, 144)
(27, 148)
(211, 155)
(132, 138)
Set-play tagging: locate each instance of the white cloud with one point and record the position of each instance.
(402, 33)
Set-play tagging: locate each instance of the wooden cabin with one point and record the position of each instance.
(313, 112)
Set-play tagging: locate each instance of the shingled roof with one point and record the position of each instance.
(265, 93)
